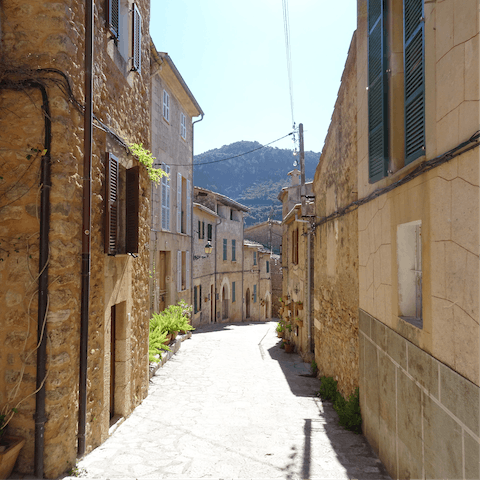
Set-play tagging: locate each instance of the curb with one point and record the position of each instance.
(166, 356)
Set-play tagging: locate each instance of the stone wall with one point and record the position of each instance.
(336, 242)
(420, 416)
(122, 103)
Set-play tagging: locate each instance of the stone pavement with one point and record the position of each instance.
(232, 404)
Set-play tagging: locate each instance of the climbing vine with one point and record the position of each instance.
(146, 158)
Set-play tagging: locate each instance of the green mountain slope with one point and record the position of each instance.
(255, 179)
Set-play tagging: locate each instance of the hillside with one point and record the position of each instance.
(255, 179)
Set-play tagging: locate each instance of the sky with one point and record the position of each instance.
(232, 56)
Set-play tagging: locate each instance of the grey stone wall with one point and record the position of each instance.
(419, 415)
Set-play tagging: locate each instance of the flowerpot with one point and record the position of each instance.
(174, 335)
(168, 340)
(300, 306)
(280, 334)
(288, 347)
(299, 323)
(9, 456)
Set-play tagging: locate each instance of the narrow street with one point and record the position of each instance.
(232, 404)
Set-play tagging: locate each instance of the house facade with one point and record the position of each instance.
(172, 108)
(419, 234)
(74, 226)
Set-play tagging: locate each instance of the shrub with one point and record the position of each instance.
(349, 414)
(280, 328)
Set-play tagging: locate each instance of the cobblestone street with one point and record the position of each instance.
(232, 404)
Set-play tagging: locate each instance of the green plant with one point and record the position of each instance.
(280, 299)
(5, 418)
(314, 367)
(156, 343)
(280, 328)
(288, 326)
(349, 414)
(146, 158)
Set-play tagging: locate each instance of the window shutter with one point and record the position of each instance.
(200, 298)
(179, 203)
(199, 230)
(377, 93)
(268, 266)
(113, 8)
(187, 270)
(132, 203)
(137, 40)
(209, 231)
(189, 212)
(233, 291)
(203, 229)
(234, 256)
(111, 204)
(195, 300)
(254, 294)
(414, 68)
(179, 270)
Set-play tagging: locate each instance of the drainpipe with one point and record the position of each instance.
(86, 227)
(243, 261)
(309, 288)
(46, 183)
(215, 274)
(191, 220)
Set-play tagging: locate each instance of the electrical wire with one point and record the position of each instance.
(236, 156)
(288, 52)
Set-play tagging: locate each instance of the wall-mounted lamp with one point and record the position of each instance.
(208, 248)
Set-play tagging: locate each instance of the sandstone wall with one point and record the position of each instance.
(121, 102)
(336, 242)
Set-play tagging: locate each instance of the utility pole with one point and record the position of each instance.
(302, 168)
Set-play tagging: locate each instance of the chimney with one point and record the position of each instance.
(295, 174)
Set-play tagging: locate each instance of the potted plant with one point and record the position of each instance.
(288, 344)
(10, 445)
(300, 305)
(299, 322)
(280, 330)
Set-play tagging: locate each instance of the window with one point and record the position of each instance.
(295, 246)
(254, 258)
(166, 106)
(183, 126)
(197, 299)
(201, 229)
(409, 271)
(231, 214)
(224, 248)
(137, 40)
(166, 198)
(378, 78)
(234, 256)
(114, 17)
(122, 196)
(183, 205)
(209, 232)
(254, 294)
(183, 270)
(268, 266)
(233, 292)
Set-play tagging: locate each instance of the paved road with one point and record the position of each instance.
(232, 405)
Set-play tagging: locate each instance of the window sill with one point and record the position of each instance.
(415, 321)
(166, 121)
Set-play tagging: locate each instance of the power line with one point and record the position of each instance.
(236, 156)
(288, 51)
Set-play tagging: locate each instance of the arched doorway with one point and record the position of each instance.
(224, 304)
(247, 303)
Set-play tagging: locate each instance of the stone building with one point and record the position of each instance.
(69, 263)
(172, 109)
(269, 235)
(335, 305)
(227, 259)
(418, 169)
(257, 281)
(298, 262)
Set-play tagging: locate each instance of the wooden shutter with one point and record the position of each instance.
(377, 92)
(137, 40)
(209, 231)
(224, 248)
(187, 270)
(254, 294)
(200, 298)
(132, 204)
(234, 256)
(111, 204)
(203, 229)
(233, 291)
(414, 68)
(199, 229)
(188, 209)
(195, 300)
(113, 9)
(179, 270)
(179, 203)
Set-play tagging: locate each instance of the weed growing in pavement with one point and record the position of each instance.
(76, 471)
(349, 415)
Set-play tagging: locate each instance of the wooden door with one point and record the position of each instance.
(112, 361)
(247, 303)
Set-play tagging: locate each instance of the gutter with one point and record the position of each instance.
(86, 226)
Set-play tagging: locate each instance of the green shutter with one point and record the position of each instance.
(377, 92)
(233, 291)
(414, 68)
(224, 248)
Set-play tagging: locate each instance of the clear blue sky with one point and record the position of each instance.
(232, 56)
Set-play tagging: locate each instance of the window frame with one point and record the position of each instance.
(183, 126)
(165, 198)
(136, 39)
(166, 105)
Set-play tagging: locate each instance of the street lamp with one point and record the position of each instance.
(208, 248)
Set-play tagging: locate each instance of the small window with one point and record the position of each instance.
(209, 232)
(409, 264)
(233, 292)
(183, 126)
(254, 258)
(234, 253)
(225, 246)
(166, 106)
(268, 266)
(254, 294)
(231, 214)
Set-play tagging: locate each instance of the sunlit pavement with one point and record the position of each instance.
(232, 404)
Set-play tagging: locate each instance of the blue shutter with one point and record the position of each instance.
(254, 294)
(414, 68)
(234, 256)
(233, 291)
(113, 17)
(224, 248)
(377, 92)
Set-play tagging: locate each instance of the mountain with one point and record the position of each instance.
(255, 179)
